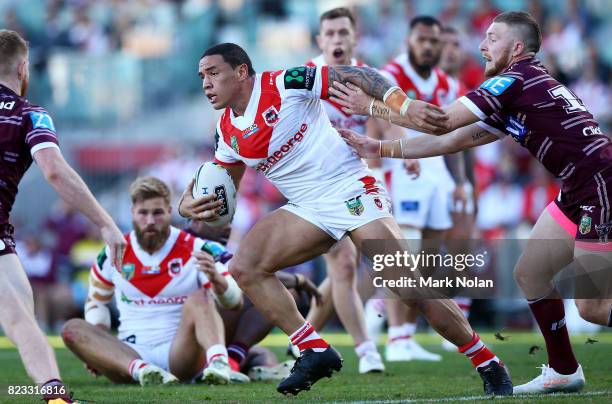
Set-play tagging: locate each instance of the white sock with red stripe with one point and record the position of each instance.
(404, 331)
(306, 337)
(365, 347)
(478, 353)
(135, 367)
(214, 352)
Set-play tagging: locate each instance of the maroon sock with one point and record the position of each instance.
(550, 315)
(237, 351)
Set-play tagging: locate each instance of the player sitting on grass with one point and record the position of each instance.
(166, 293)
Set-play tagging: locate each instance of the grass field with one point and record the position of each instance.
(452, 380)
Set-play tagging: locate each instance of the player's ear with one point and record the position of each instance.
(243, 71)
(518, 48)
(22, 69)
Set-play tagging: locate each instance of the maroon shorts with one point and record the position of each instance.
(586, 213)
(7, 243)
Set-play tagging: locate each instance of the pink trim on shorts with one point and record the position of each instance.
(600, 247)
(563, 221)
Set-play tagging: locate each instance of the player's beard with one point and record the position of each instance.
(423, 68)
(500, 64)
(151, 242)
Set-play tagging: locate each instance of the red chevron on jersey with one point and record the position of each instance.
(152, 280)
(407, 80)
(254, 141)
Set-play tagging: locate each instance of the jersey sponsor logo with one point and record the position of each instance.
(174, 266)
(152, 270)
(128, 271)
(378, 203)
(585, 224)
(251, 130)
(270, 116)
(283, 150)
(355, 206)
(300, 78)
(497, 85)
(8, 105)
(155, 301)
(41, 120)
(592, 130)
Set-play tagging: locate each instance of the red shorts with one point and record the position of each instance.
(586, 214)
(7, 243)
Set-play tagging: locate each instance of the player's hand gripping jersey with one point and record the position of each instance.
(285, 134)
(544, 116)
(337, 117)
(150, 290)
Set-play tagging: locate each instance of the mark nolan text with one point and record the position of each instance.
(410, 282)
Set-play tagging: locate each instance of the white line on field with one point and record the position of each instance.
(482, 398)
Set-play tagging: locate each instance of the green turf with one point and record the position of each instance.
(430, 382)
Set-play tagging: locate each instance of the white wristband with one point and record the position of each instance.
(97, 313)
(389, 91)
(404, 107)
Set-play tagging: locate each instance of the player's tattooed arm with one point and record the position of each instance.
(413, 114)
(366, 78)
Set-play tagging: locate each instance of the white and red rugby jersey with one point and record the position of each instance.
(438, 89)
(285, 134)
(150, 289)
(337, 117)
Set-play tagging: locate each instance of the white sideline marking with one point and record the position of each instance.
(484, 398)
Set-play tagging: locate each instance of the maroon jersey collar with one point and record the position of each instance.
(5, 89)
(524, 59)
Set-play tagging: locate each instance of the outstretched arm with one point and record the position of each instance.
(427, 116)
(419, 147)
(356, 100)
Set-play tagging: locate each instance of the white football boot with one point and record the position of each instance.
(371, 362)
(404, 350)
(154, 375)
(277, 372)
(217, 372)
(551, 382)
(238, 377)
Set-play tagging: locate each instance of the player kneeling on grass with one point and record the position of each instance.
(166, 293)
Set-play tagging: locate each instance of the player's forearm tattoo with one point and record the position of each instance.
(366, 78)
(479, 135)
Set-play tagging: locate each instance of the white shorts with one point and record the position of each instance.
(354, 205)
(424, 202)
(158, 355)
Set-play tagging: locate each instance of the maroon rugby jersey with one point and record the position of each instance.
(544, 116)
(24, 129)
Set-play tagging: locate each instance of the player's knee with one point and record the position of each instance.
(243, 272)
(587, 309)
(521, 274)
(72, 331)
(198, 302)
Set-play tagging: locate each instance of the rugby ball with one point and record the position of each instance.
(212, 178)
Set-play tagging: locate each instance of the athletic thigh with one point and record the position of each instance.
(282, 239)
(341, 260)
(549, 249)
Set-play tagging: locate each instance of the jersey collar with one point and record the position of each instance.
(158, 256)
(246, 120)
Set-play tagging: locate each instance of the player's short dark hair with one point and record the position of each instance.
(145, 188)
(232, 54)
(13, 48)
(338, 12)
(426, 20)
(526, 25)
